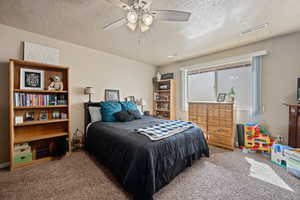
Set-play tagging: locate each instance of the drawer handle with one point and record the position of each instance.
(23, 157)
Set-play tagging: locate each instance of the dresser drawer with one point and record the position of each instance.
(220, 131)
(213, 121)
(220, 139)
(226, 123)
(226, 106)
(226, 114)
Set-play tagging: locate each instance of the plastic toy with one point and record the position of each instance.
(278, 155)
(293, 162)
(257, 137)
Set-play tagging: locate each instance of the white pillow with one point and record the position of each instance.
(139, 107)
(95, 114)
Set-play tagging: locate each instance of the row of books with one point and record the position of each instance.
(24, 99)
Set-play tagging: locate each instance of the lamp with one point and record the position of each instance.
(143, 103)
(89, 91)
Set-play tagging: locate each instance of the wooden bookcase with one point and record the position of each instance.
(164, 99)
(37, 130)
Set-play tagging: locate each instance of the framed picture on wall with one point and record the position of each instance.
(31, 79)
(112, 95)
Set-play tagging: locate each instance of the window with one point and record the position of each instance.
(202, 87)
(205, 86)
(202, 82)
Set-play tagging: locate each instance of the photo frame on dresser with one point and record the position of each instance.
(221, 97)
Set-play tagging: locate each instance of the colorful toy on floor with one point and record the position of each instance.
(278, 156)
(257, 138)
(286, 157)
(293, 162)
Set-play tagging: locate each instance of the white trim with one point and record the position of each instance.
(231, 60)
(4, 165)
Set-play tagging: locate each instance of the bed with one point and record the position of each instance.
(142, 166)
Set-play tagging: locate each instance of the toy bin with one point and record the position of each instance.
(293, 167)
(277, 155)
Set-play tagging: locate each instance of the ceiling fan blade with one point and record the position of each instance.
(123, 4)
(115, 24)
(171, 15)
(145, 3)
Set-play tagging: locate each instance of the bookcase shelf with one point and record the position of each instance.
(38, 131)
(41, 91)
(164, 99)
(40, 107)
(32, 123)
(29, 137)
(49, 158)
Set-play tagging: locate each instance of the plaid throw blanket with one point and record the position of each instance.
(165, 129)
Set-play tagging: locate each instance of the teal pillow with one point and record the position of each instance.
(128, 105)
(108, 109)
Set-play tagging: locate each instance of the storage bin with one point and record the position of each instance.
(293, 167)
(23, 158)
(22, 150)
(21, 146)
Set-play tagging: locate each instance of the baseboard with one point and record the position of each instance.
(4, 165)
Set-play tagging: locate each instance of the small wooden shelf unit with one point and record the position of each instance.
(164, 100)
(37, 130)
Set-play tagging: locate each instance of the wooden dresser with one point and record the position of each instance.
(216, 120)
(294, 125)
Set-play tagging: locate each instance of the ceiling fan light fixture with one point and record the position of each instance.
(144, 27)
(147, 19)
(132, 17)
(131, 26)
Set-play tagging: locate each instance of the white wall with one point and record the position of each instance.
(88, 68)
(281, 67)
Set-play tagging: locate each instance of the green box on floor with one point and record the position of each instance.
(23, 158)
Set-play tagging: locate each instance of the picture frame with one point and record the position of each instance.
(221, 97)
(55, 114)
(29, 116)
(112, 95)
(64, 115)
(43, 115)
(18, 119)
(31, 79)
(130, 98)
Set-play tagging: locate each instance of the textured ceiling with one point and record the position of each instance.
(214, 25)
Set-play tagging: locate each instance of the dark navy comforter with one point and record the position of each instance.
(143, 166)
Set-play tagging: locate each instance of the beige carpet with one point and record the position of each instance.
(225, 175)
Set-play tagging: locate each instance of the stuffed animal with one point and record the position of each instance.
(56, 83)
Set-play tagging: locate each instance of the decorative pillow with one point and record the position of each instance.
(124, 116)
(135, 113)
(95, 113)
(108, 109)
(140, 109)
(128, 105)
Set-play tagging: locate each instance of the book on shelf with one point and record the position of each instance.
(24, 99)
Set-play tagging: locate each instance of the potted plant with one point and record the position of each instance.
(232, 94)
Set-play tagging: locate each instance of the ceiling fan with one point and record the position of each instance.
(140, 16)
